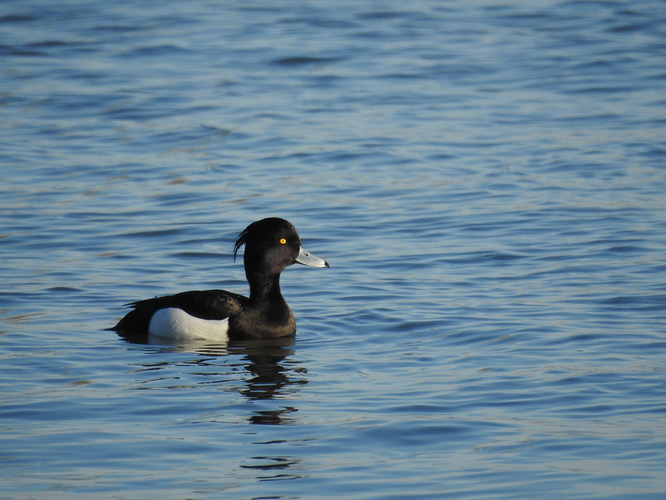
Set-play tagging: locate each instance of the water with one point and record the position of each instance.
(486, 180)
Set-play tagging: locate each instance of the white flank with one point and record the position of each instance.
(174, 323)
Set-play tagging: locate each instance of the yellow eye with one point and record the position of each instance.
(283, 241)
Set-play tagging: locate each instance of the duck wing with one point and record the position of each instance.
(204, 304)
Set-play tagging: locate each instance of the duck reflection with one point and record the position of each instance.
(271, 375)
(263, 372)
(271, 372)
(273, 468)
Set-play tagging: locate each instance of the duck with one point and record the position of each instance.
(271, 245)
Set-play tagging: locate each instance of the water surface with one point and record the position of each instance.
(486, 180)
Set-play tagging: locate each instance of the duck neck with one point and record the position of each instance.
(265, 288)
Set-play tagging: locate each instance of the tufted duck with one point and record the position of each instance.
(270, 246)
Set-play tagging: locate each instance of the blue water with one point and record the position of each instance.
(487, 180)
